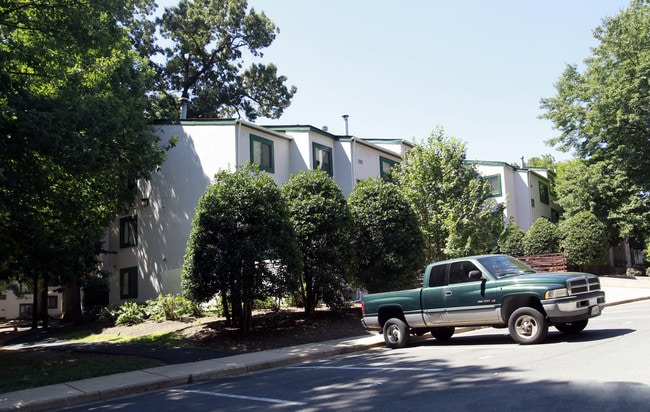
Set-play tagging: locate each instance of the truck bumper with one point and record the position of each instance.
(573, 308)
(370, 322)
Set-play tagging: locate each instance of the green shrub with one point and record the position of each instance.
(131, 313)
(583, 239)
(511, 239)
(269, 303)
(542, 237)
(172, 307)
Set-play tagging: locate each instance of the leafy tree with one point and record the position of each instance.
(323, 226)
(73, 130)
(241, 245)
(603, 113)
(604, 190)
(387, 239)
(547, 161)
(452, 201)
(511, 239)
(583, 239)
(542, 237)
(205, 44)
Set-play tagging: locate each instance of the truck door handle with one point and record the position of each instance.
(448, 293)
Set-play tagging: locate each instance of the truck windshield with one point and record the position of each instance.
(500, 266)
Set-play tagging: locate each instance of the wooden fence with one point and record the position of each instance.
(552, 262)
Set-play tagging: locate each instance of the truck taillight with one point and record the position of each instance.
(363, 308)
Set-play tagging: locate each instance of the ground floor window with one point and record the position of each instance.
(25, 310)
(129, 283)
(52, 302)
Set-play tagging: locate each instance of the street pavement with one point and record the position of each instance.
(617, 291)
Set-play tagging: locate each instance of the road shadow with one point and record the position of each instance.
(494, 336)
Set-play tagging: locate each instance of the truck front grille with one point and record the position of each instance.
(583, 284)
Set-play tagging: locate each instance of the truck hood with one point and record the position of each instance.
(559, 278)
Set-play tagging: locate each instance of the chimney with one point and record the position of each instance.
(184, 103)
(345, 120)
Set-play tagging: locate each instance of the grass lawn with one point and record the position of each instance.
(34, 368)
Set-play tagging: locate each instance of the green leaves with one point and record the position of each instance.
(387, 237)
(204, 60)
(450, 199)
(323, 226)
(242, 244)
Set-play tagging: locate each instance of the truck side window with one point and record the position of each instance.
(459, 272)
(437, 276)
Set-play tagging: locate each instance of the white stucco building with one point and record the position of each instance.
(147, 246)
(525, 191)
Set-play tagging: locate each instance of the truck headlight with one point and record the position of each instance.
(556, 293)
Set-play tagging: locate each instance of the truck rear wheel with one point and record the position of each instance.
(527, 326)
(571, 328)
(396, 333)
(443, 333)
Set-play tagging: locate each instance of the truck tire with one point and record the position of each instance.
(443, 333)
(396, 333)
(527, 326)
(571, 328)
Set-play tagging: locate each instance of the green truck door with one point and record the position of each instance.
(433, 298)
(467, 298)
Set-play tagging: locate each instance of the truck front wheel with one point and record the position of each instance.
(443, 333)
(571, 328)
(396, 333)
(527, 326)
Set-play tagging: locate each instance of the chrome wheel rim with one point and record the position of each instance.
(526, 327)
(393, 334)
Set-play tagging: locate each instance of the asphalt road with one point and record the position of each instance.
(604, 368)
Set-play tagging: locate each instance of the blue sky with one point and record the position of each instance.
(476, 68)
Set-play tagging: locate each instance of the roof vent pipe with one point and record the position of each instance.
(345, 121)
(184, 103)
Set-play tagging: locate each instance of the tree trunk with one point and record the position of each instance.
(246, 324)
(72, 303)
(310, 298)
(35, 303)
(42, 313)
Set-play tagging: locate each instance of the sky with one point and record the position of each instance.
(476, 68)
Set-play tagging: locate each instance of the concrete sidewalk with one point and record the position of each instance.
(617, 291)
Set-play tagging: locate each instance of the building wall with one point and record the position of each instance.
(10, 304)
(203, 148)
(519, 192)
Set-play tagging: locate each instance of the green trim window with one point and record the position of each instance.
(544, 193)
(128, 231)
(322, 156)
(262, 153)
(495, 183)
(386, 167)
(129, 283)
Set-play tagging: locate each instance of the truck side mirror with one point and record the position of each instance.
(475, 275)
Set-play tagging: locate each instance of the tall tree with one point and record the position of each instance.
(387, 237)
(452, 201)
(603, 113)
(241, 245)
(73, 130)
(323, 226)
(606, 191)
(206, 41)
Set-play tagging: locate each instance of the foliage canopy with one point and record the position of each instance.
(387, 238)
(323, 226)
(241, 245)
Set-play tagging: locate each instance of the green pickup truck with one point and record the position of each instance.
(488, 290)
